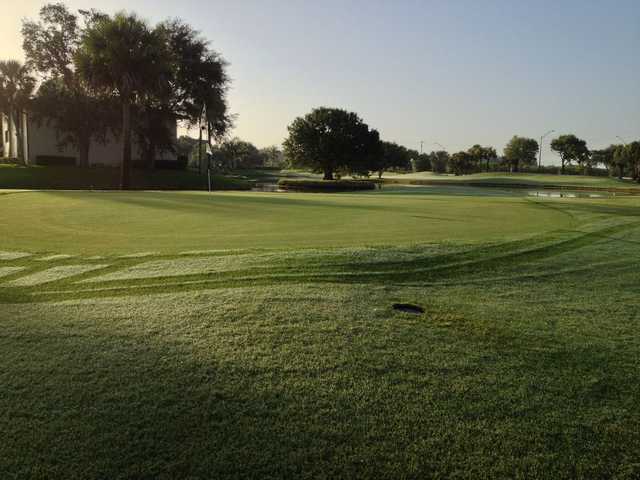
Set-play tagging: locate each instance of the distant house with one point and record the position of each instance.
(41, 146)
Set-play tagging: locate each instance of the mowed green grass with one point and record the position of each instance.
(287, 360)
(533, 179)
(171, 222)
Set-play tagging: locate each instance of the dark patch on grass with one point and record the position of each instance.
(408, 308)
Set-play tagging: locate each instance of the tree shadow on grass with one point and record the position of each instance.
(80, 403)
(126, 397)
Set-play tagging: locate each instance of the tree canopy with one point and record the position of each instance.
(159, 75)
(123, 57)
(331, 139)
(571, 149)
(629, 155)
(64, 100)
(462, 163)
(520, 151)
(482, 154)
(391, 156)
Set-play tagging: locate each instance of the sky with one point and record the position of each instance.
(447, 72)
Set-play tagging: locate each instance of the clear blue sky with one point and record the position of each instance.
(453, 72)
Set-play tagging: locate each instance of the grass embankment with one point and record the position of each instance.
(514, 179)
(104, 178)
(292, 363)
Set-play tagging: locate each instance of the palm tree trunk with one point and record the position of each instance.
(125, 173)
(12, 134)
(19, 138)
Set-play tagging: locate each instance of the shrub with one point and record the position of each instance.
(326, 185)
(55, 160)
(11, 161)
(179, 164)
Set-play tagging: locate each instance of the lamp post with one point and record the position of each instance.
(421, 144)
(540, 151)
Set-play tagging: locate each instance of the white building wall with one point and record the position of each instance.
(43, 141)
(4, 129)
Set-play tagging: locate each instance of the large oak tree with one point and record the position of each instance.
(331, 139)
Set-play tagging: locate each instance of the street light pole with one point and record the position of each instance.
(421, 143)
(540, 151)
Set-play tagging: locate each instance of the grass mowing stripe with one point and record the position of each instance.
(53, 258)
(13, 255)
(53, 274)
(6, 271)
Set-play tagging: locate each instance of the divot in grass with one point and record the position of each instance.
(408, 308)
(53, 274)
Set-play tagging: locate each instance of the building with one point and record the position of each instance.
(41, 145)
(9, 131)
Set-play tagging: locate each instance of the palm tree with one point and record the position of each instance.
(16, 88)
(124, 57)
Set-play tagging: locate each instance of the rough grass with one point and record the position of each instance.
(292, 362)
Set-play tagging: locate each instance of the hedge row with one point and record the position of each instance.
(10, 161)
(62, 161)
(55, 161)
(326, 185)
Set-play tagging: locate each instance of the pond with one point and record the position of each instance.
(469, 190)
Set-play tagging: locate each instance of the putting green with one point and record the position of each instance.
(90, 223)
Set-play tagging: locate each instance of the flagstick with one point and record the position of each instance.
(210, 154)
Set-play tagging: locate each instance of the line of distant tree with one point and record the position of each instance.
(230, 154)
(334, 141)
